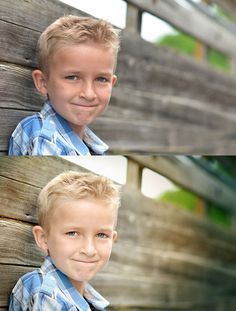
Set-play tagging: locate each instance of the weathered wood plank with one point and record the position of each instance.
(162, 80)
(26, 12)
(193, 21)
(161, 137)
(172, 229)
(187, 174)
(19, 198)
(138, 291)
(126, 137)
(169, 247)
(9, 276)
(17, 89)
(35, 171)
(136, 48)
(228, 5)
(9, 119)
(131, 135)
(161, 293)
(23, 52)
(168, 96)
(20, 249)
(142, 105)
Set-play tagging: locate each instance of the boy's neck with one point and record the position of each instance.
(80, 286)
(79, 130)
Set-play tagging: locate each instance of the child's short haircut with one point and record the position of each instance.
(75, 186)
(74, 30)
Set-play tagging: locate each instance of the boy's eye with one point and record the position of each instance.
(72, 233)
(72, 78)
(102, 235)
(102, 79)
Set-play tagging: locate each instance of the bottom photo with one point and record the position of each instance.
(118, 233)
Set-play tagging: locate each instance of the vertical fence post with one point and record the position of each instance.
(233, 66)
(133, 19)
(134, 174)
(201, 51)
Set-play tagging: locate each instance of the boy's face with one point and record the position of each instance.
(79, 82)
(80, 238)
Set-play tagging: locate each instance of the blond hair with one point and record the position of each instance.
(73, 30)
(75, 186)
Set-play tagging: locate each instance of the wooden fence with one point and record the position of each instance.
(165, 259)
(164, 102)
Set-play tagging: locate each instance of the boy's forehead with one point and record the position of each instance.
(69, 209)
(86, 201)
(88, 43)
(87, 52)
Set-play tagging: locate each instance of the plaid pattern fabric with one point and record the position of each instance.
(48, 289)
(47, 133)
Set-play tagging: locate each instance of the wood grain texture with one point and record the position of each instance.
(164, 102)
(164, 258)
(26, 13)
(228, 5)
(35, 171)
(127, 268)
(187, 174)
(193, 21)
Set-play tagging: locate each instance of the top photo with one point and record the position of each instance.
(113, 77)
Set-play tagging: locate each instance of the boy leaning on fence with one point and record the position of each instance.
(76, 62)
(77, 218)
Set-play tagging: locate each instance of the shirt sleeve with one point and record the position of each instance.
(43, 146)
(13, 148)
(35, 137)
(41, 302)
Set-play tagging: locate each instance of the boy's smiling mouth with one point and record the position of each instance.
(84, 105)
(86, 261)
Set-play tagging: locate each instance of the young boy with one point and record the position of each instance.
(76, 63)
(77, 218)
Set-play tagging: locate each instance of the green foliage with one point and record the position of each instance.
(188, 201)
(180, 197)
(180, 42)
(184, 43)
(218, 215)
(218, 60)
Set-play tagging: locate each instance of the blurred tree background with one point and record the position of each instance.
(223, 168)
(186, 44)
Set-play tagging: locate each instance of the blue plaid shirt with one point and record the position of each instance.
(48, 289)
(47, 133)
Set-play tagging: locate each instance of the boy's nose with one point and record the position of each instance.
(88, 248)
(87, 91)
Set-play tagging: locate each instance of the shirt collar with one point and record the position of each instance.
(70, 291)
(91, 140)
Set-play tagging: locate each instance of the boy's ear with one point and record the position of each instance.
(114, 79)
(40, 237)
(40, 81)
(115, 236)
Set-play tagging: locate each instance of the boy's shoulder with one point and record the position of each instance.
(39, 122)
(32, 131)
(31, 126)
(34, 282)
(37, 288)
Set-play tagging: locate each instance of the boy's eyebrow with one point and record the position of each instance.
(76, 72)
(74, 227)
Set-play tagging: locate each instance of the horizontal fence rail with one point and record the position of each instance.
(163, 102)
(164, 258)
